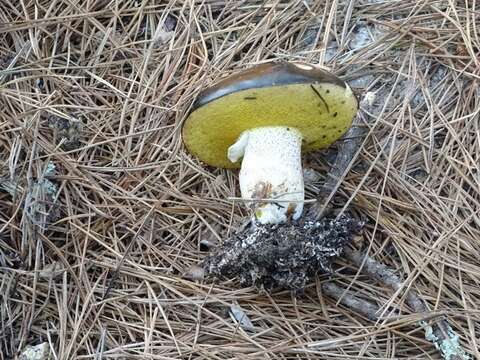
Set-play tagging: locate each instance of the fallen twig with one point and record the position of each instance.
(346, 153)
(361, 306)
(439, 332)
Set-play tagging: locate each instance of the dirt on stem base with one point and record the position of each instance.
(283, 256)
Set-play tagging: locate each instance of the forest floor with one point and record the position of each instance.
(103, 211)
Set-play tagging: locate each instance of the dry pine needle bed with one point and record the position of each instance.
(102, 211)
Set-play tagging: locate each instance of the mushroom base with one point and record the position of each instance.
(282, 256)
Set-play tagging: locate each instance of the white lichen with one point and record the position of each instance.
(37, 352)
(449, 347)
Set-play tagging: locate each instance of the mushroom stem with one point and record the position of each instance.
(271, 169)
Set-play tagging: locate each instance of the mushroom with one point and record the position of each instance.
(261, 120)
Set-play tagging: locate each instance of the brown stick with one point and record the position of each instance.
(345, 156)
(363, 307)
(439, 332)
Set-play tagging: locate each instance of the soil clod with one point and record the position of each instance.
(284, 255)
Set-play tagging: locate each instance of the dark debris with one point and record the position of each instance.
(67, 130)
(282, 256)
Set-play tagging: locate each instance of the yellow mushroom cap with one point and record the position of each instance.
(315, 102)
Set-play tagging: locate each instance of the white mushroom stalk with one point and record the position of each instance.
(317, 106)
(271, 173)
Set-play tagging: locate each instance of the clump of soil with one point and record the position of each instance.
(284, 255)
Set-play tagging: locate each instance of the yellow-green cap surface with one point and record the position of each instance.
(315, 102)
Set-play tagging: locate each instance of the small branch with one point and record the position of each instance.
(440, 333)
(364, 307)
(344, 160)
(346, 155)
